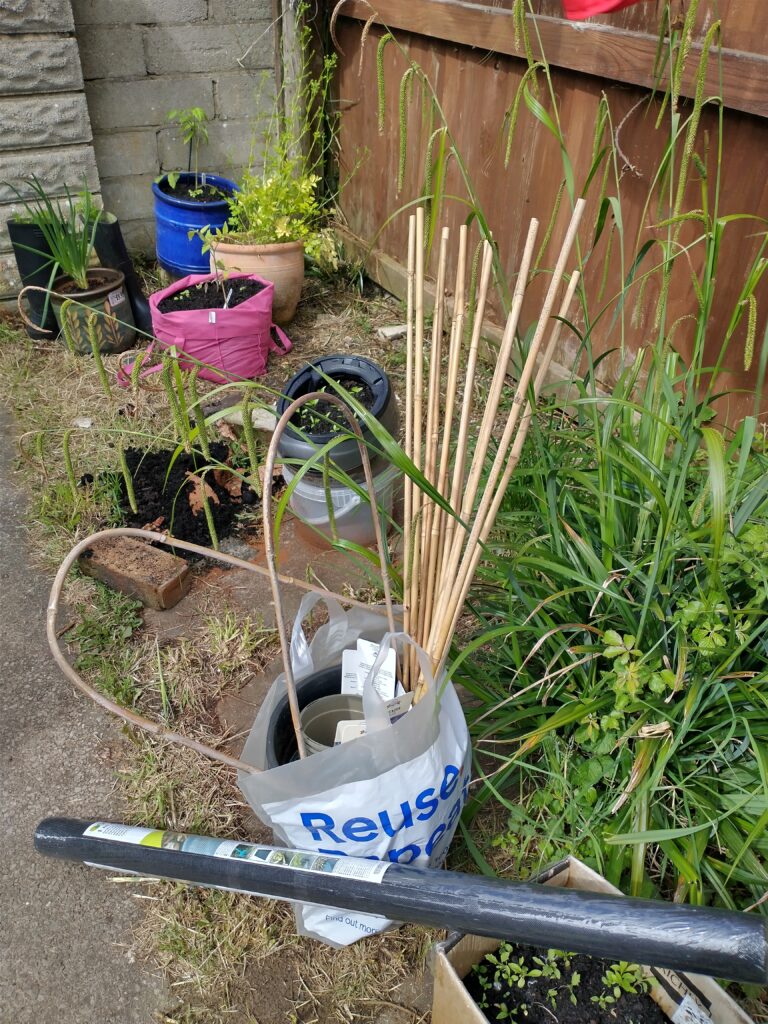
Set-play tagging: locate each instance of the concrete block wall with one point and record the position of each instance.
(46, 129)
(142, 58)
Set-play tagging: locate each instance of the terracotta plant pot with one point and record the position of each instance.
(281, 262)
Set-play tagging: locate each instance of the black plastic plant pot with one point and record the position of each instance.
(34, 269)
(355, 374)
(281, 738)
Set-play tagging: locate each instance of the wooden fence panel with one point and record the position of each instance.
(475, 89)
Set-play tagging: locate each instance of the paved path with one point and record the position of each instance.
(65, 930)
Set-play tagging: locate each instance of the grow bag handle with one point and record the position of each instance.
(127, 714)
(125, 373)
(269, 540)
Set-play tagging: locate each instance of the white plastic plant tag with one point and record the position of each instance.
(399, 706)
(384, 683)
(203, 178)
(349, 729)
(689, 1012)
(350, 662)
(211, 316)
(116, 297)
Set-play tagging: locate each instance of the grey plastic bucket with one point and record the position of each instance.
(320, 718)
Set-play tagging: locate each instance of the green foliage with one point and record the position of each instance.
(192, 123)
(278, 207)
(68, 225)
(619, 979)
(512, 968)
(619, 659)
(631, 683)
(100, 639)
(280, 197)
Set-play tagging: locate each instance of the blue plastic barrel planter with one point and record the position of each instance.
(175, 218)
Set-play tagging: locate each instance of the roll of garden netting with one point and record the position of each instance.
(702, 940)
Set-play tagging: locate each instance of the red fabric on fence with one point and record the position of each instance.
(578, 9)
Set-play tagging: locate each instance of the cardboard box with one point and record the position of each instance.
(685, 998)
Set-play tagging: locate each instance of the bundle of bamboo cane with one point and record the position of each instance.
(442, 551)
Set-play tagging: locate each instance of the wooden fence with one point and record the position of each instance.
(475, 61)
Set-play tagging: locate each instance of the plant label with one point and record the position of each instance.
(355, 666)
(689, 1012)
(116, 297)
(211, 316)
(399, 706)
(384, 683)
(349, 729)
(350, 662)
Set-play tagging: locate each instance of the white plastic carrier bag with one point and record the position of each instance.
(394, 794)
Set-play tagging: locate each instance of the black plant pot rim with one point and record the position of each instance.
(365, 370)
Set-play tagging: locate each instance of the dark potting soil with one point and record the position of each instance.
(545, 999)
(188, 190)
(211, 295)
(70, 287)
(321, 417)
(163, 498)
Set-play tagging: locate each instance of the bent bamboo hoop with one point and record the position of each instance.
(22, 313)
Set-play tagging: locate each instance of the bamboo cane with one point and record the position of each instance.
(489, 417)
(453, 556)
(555, 336)
(445, 523)
(499, 377)
(514, 458)
(473, 550)
(414, 525)
(429, 556)
(457, 483)
(458, 581)
(408, 488)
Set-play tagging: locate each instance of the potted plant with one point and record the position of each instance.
(331, 504)
(188, 202)
(276, 215)
(317, 422)
(224, 324)
(482, 981)
(69, 233)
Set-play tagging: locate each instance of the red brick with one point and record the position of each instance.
(153, 576)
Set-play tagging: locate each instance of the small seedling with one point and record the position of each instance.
(549, 982)
(193, 125)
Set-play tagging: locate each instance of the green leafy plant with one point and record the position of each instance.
(516, 980)
(68, 225)
(280, 197)
(192, 123)
(101, 645)
(619, 658)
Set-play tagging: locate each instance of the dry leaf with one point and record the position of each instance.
(197, 491)
(230, 482)
(155, 524)
(277, 474)
(226, 431)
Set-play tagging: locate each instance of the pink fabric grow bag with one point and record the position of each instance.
(236, 341)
